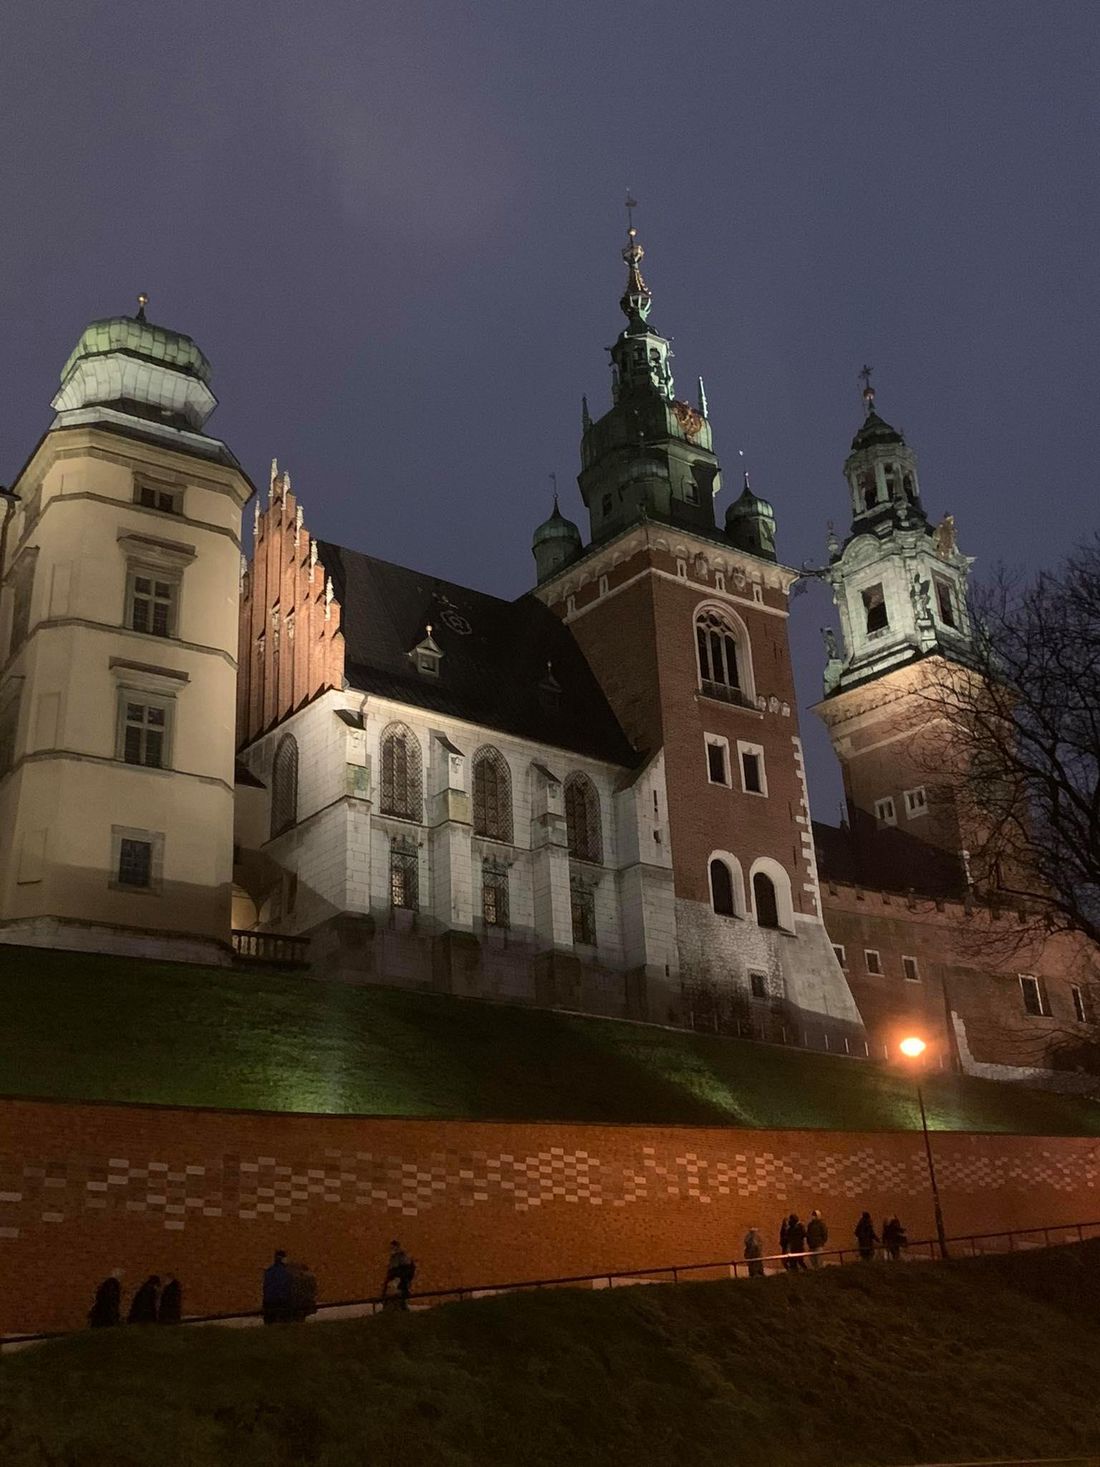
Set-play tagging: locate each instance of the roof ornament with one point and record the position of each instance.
(143, 301)
(586, 416)
(868, 390)
(636, 298)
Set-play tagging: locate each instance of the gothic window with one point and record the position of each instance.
(284, 785)
(582, 819)
(402, 777)
(404, 877)
(492, 795)
(152, 604)
(582, 902)
(763, 894)
(494, 897)
(945, 602)
(721, 889)
(144, 732)
(718, 652)
(874, 608)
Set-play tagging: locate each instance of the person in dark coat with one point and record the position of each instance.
(143, 1306)
(893, 1238)
(754, 1252)
(400, 1271)
(796, 1242)
(278, 1287)
(107, 1308)
(170, 1308)
(866, 1237)
(303, 1292)
(785, 1240)
(817, 1235)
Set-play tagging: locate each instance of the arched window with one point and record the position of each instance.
(716, 642)
(284, 785)
(402, 775)
(764, 899)
(721, 889)
(492, 795)
(582, 819)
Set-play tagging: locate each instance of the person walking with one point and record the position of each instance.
(785, 1241)
(170, 1307)
(754, 1252)
(143, 1306)
(796, 1243)
(400, 1271)
(106, 1309)
(277, 1288)
(817, 1235)
(866, 1237)
(894, 1238)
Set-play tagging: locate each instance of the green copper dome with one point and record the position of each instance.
(557, 527)
(137, 337)
(555, 543)
(750, 524)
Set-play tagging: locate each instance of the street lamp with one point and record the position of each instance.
(912, 1048)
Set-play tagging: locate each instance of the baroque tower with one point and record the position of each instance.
(118, 632)
(900, 588)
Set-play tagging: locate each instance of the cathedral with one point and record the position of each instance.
(591, 798)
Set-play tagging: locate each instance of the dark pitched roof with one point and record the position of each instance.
(495, 655)
(836, 859)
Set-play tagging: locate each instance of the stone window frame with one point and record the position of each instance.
(874, 968)
(156, 560)
(758, 984)
(1080, 1006)
(840, 952)
(404, 876)
(157, 687)
(752, 751)
(158, 490)
(136, 697)
(945, 596)
(401, 785)
(495, 895)
(1038, 990)
(583, 818)
(871, 606)
(720, 744)
(490, 824)
(736, 876)
(714, 619)
(781, 885)
(910, 968)
(915, 807)
(155, 840)
(886, 812)
(582, 912)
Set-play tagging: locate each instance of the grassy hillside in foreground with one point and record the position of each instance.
(867, 1364)
(95, 1028)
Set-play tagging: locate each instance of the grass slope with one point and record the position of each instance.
(96, 1028)
(867, 1364)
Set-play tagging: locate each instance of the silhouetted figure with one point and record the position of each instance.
(866, 1237)
(893, 1238)
(170, 1307)
(278, 1286)
(754, 1252)
(303, 1292)
(400, 1271)
(107, 1307)
(785, 1240)
(796, 1243)
(817, 1235)
(143, 1306)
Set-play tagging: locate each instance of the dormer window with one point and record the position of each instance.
(427, 655)
(874, 609)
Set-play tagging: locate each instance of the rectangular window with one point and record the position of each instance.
(494, 898)
(945, 602)
(1035, 996)
(718, 771)
(135, 863)
(751, 759)
(582, 901)
(872, 961)
(152, 606)
(759, 985)
(403, 878)
(885, 813)
(144, 732)
(841, 955)
(152, 496)
(1079, 1010)
(909, 969)
(874, 609)
(916, 802)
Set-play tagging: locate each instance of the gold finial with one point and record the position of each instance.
(868, 390)
(143, 301)
(631, 205)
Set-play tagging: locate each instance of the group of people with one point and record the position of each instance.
(800, 1240)
(153, 1302)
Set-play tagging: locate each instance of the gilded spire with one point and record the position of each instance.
(636, 298)
(868, 390)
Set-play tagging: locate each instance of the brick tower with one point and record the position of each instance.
(685, 625)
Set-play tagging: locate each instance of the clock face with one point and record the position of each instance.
(456, 621)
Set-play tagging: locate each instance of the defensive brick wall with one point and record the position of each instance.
(209, 1194)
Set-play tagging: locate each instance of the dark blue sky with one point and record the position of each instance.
(395, 231)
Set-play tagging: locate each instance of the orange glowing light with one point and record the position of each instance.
(912, 1047)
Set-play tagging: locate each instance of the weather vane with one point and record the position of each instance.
(868, 390)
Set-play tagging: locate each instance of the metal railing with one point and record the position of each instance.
(271, 947)
(978, 1244)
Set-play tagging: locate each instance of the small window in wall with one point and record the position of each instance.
(909, 970)
(758, 983)
(582, 904)
(152, 605)
(751, 759)
(885, 811)
(1035, 996)
(1080, 1012)
(874, 608)
(153, 496)
(721, 890)
(404, 877)
(841, 955)
(135, 863)
(945, 601)
(494, 897)
(144, 731)
(872, 961)
(916, 802)
(137, 859)
(764, 899)
(718, 760)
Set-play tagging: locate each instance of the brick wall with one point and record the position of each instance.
(209, 1194)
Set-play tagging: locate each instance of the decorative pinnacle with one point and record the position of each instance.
(868, 390)
(636, 299)
(143, 301)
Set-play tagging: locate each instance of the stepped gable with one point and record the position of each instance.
(509, 665)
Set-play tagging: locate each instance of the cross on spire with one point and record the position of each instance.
(631, 205)
(868, 390)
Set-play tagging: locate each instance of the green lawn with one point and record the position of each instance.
(869, 1364)
(95, 1028)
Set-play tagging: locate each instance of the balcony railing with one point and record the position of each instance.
(725, 693)
(271, 947)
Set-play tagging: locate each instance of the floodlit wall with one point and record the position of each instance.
(208, 1195)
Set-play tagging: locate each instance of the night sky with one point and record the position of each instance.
(395, 230)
